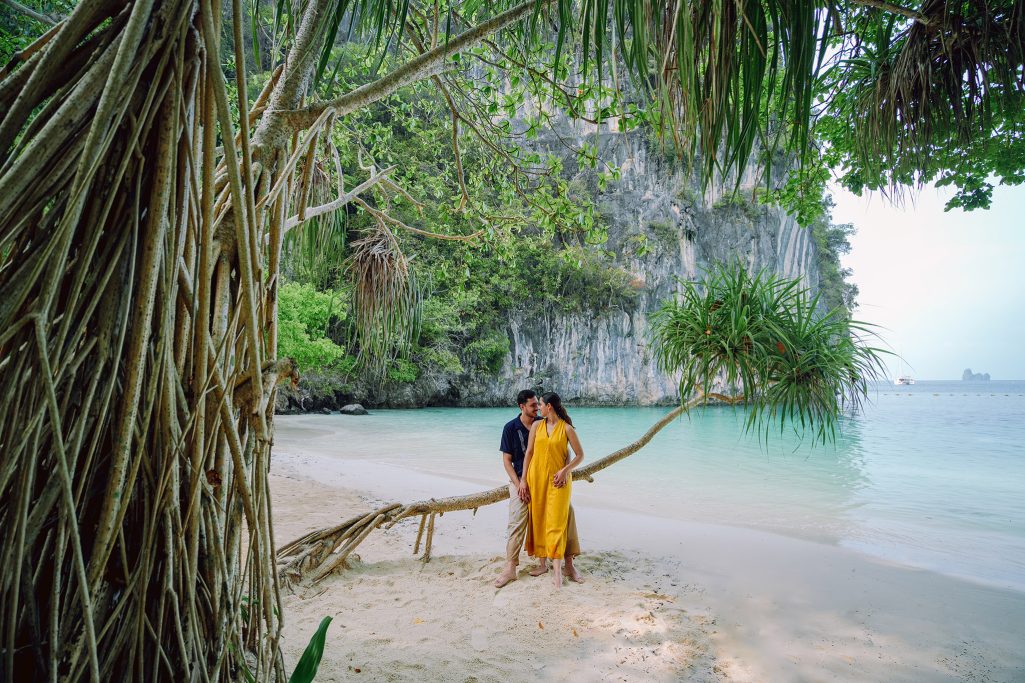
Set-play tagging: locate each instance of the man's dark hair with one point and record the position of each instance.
(524, 396)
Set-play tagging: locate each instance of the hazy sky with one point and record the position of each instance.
(949, 288)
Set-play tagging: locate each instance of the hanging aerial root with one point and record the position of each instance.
(419, 534)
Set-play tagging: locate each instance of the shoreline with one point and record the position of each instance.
(730, 603)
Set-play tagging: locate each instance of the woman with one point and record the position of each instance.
(547, 475)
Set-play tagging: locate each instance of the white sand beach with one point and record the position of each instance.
(664, 599)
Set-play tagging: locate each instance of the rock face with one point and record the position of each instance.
(661, 228)
(969, 376)
(352, 409)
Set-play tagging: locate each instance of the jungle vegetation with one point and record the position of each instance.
(157, 155)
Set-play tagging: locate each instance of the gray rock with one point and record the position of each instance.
(353, 409)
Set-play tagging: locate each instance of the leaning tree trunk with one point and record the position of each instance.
(316, 555)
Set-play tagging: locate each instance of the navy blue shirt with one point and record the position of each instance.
(514, 441)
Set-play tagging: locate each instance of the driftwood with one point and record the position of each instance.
(320, 553)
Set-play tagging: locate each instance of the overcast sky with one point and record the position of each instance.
(949, 288)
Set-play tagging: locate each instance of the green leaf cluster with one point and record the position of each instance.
(764, 339)
(304, 318)
(938, 101)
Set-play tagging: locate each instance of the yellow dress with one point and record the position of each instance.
(549, 506)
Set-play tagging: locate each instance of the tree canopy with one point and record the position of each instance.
(148, 183)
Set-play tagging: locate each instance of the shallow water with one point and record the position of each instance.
(930, 476)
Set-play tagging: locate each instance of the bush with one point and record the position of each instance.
(303, 318)
(401, 370)
(489, 351)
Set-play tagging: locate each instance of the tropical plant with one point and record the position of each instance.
(304, 315)
(306, 668)
(762, 340)
(932, 93)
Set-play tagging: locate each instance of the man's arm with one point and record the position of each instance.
(520, 484)
(524, 491)
(510, 470)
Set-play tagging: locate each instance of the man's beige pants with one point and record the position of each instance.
(517, 530)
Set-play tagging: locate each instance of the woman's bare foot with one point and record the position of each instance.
(539, 570)
(558, 573)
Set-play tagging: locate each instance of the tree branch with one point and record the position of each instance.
(385, 218)
(29, 12)
(340, 202)
(894, 9)
(431, 63)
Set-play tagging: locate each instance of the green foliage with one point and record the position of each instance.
(18, 30)
(765, 339)
(906, 105)
(306, 669)
(667, 234)
(402, 371)
(303, 318)
(735, 201)
(802, 192)
(832, 240)
(489, 351)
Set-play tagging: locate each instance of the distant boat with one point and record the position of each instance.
(902, 379)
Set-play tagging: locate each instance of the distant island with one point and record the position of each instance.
(969, 376)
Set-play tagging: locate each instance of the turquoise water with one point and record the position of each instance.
(930, 476)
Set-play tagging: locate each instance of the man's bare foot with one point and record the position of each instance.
(539, 570)
(557, 578)
(508, 576)
(573, 575)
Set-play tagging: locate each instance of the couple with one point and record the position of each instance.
(535, 451)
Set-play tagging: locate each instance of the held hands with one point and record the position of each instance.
(522, 491)
(561, 477)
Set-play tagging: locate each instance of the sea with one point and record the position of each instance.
(930, 475)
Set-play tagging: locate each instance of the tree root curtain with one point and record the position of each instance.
(136, 332)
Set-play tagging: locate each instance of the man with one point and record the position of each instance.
(515, 436)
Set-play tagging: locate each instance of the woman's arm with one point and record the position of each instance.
(562, 476)
(524, 491)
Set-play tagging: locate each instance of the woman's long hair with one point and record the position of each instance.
(552, 399)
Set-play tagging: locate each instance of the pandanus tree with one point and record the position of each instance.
(144, 200)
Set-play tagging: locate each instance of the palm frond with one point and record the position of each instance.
(762, 338)
(386, 298)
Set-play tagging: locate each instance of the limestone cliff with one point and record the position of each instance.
(661, 227)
